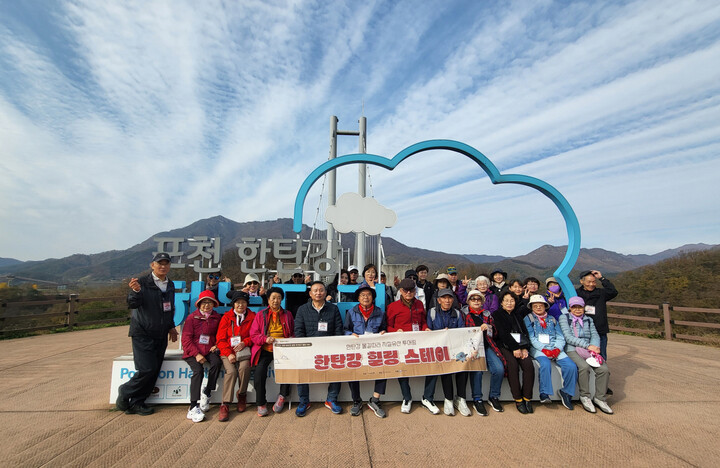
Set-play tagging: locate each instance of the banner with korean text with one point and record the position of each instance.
(374, 356)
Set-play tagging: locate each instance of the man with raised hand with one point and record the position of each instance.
(318, 317)
(152, 298)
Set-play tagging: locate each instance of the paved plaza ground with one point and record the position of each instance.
(55, 412)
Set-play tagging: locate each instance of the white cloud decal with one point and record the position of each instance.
(353, 213)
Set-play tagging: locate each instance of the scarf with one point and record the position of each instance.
(365, 312)
(575, 321)
(542, 318)
(488, 320)
(239, 318)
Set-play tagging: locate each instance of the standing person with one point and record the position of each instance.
(353, 272)
(333, 295)
(253, 288)
(406, 314)
(371, 277)
(498, 285)
(548, 344)
(442, 282)
(556, 298)
(424, 284)
(294, 300)
(419, 292)
(199, 336)
(390, 290)
(366, 318)
(152, 298)
(596, 304)
(477, 316)
(271, 323)
(490, 300)
(514, 343)
(442, 318)
(318, 318)
(457, 287)
(234, 343)
(213, 283)
(583, 347)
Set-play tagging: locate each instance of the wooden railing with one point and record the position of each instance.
(664, 318)
(67, 313)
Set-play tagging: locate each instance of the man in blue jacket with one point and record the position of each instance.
(318, 317)
(153, 299)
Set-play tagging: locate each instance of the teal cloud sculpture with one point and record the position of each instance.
(571, 222)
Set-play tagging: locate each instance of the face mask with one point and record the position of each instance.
(554, 288)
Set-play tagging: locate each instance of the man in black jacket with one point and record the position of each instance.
(596, 302)
(153, 300)
(318, 317)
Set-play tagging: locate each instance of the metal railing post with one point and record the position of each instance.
(667, 320)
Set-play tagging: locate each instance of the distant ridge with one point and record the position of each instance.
(115, 265)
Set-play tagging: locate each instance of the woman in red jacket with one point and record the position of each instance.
(198, 341)
(270, 323)
(234, 343)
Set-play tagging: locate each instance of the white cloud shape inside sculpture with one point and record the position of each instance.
(353, 213)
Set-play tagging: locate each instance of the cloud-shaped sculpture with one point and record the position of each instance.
(571, 222)
(353, 213)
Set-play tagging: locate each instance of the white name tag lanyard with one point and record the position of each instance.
(590, 310)
(235, 340)
(322, 326)
(544, 338)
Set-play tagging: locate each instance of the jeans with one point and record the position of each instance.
(497, 372)
(447, 385)
(405, 388)
(355, 389)
(304, 392)
(568, 370)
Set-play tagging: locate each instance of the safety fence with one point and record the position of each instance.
(685, 323)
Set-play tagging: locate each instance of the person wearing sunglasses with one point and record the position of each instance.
(212, 282)
(253, 287)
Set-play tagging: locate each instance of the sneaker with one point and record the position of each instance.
(122, 404)
(333, 406)
(301, 409)
(566, 399)
(406, 406)
(448, 408)
(242, 402)
(544, 398)
(520, 405)
(587, 404)
(374, 405)
(603, 406)
(529, 406)
(430, 406)
(496, 405)
(195, 414)
(224, 413)
(279, 404)
(262, 410)
(356, 408)
(204, 401)
(462, 406)
(142, 409)
(480, 408)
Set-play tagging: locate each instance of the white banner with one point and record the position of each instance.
(374, 356)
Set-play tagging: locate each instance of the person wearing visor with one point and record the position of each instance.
(583, 347)
(234, 343)
(366, 318)
(199, 338)
(253, 288)
(152, 298)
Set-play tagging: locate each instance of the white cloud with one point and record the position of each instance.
(353, 213)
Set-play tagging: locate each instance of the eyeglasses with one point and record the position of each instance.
(213, 276)
(474, 298)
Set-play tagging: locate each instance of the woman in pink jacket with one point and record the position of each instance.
(198, 342)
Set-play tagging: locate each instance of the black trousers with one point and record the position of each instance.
(198, 370)
(513, 375)
(148, 355)
(266, 358)
(380, 386)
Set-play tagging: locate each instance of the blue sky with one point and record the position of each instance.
(119, 120)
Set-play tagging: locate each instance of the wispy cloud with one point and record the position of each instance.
(119, 120)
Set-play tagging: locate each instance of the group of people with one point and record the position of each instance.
(519, 326)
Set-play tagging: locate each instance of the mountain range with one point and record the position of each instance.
(116, 265)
